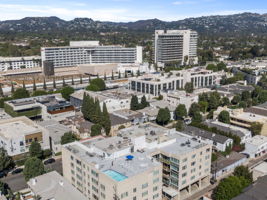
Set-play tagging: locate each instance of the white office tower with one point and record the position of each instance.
(175, 46)
(90, 52)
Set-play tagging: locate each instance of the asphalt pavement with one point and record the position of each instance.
(17, 182)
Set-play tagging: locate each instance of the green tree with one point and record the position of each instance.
(263, 96)
(189, 88)
(68, 137)
(242, 104)
(179, 126)
(5, 189)
(20, 93)
(39, 93)
(72, 81)
(203, 106)
(256, 128)
(54, 83)
(236, 99)
(12, 88)
(224, 117)
(193, 109)
(35, 150)
(245, 95)
(64, 82)
(23, 84)
(243, 171)
(34, 85)
(93, 88)
(105, 76)
(33, 167)
(163, 116)
(197, 117)
(180, 111)
(134, 105)
(221, 66)
(106, 122)
(44, 85)
(66, 92)
(112, 75)
(214, 100)
(99, 83)
(96, 130)
(144, 102)
(212, 67)
(225, 101)
(230, 187)
(6, 162)
(1, 90)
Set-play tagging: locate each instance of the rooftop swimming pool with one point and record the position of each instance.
(115, 175)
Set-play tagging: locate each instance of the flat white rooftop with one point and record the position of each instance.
(16, 127)
(257, 140)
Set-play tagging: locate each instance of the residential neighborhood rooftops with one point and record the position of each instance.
(193, 131)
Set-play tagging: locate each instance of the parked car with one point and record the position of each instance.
(17, 171)
(49, 161)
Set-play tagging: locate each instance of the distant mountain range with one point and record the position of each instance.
(245, 23)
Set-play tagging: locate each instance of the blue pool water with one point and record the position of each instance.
(115, 175)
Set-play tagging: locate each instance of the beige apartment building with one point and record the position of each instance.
(143, 162)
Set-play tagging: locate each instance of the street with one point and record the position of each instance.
(17, 182)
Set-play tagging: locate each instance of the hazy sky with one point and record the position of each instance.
(127, 10)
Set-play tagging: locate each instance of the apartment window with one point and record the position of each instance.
(193, 170)
(201, 153)
(155, 172)
(78, 162)
(155, 188)
(123, 195)
(21, 143)
(134, 198)
(192, 177)
(144, 185)
(103, 195)
(184, 174)
(94, 181)
(185, 159)
(134, 190)
(208, 150)
(193, 156)
(184, 167)
(95, 189)
(102, 187)
(155, 196)
(94, 173)
(193, 163)
(156, 180)
(183, 182)
(207, 157)
(144, 193)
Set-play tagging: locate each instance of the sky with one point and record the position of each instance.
(127, 10)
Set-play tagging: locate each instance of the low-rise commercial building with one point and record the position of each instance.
(17, 134)
(115, 99)
(232, 90)
(243, 119)
(154, 83)
(15, 63)
(256, 146)
(40, 107)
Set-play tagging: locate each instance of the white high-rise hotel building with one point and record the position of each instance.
(175, 46)
(90, 52)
